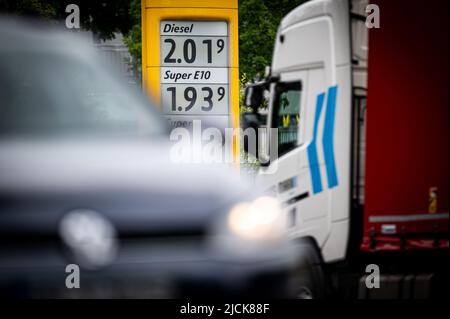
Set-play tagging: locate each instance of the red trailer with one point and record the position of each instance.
(406, 177)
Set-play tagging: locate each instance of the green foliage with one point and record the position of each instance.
(242, 81)
(38, 7)
(100, 16)
(258, 24)
(256, 34)
(133, 39)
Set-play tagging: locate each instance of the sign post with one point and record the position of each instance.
(190, 61)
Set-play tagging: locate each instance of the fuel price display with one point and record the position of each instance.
(194, 71)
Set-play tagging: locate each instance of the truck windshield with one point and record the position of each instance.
(45, 94)
(286, 115)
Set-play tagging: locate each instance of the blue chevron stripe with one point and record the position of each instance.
(312, 149)
(328, 134)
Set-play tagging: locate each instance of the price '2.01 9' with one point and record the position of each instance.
(190, 50)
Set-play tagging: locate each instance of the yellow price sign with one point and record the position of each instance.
(190, 61)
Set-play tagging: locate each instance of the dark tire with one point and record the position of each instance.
(309, 278)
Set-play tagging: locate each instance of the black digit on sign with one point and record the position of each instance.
(221, 92)
(168, 58)
(220, 45)
(191, 98)
(189, 57)
(174, 102)
(208, 99)
(208, 47)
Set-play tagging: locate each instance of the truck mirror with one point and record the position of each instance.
(253, 96)
(250, 142)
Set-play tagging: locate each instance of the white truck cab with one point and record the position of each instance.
(310, 105)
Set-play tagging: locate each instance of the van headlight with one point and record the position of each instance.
(259, 219)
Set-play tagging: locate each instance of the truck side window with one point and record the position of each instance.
(286, 115)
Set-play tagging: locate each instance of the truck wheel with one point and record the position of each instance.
(309, 282)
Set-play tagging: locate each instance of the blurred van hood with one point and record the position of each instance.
(63, 166)
(134, 183)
